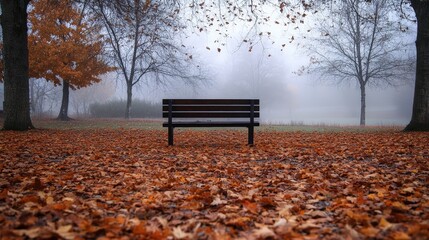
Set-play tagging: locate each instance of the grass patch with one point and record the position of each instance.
(82, 124)
(156, 124)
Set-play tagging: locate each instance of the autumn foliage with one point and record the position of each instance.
(63, 45)
(103, 184)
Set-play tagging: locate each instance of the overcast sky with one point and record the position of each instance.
(285, 96)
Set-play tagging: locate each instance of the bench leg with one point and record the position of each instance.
(250, 135)
(170, 136)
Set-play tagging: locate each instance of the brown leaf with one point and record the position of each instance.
(352, 234)
(218, 201)
(264, 233)
(3, 194)
(64, 232)
(38, 186)
(400, 206)
(31, 233)
(180, 234)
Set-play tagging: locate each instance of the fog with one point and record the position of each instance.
(286, 98)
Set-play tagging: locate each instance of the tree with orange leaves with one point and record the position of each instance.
(64, 48)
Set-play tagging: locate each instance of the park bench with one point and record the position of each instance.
(210, 113)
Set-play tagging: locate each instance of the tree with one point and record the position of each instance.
(64, 48)
(360, 45)
(420, 117)
(143, 42)
(15, 53)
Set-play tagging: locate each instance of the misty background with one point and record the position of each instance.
(266, 73)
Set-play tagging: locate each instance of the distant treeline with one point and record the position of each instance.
(116, 109)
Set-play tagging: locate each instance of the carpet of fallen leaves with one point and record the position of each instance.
(110, 184)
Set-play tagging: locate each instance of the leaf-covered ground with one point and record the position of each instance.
(124, 183)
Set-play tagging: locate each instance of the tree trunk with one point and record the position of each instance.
(362, 105)
(420, 117)
(15, 49)
(129, 100)
(63, 116)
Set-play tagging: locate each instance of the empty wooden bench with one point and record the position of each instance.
(210, 113)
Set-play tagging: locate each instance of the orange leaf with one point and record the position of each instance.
(400, 236)
(140, 229)
(30, 198)
(239, 222)
(251, 207)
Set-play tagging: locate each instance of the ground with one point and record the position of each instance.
(109, 180)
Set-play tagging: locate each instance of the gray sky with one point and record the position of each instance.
(285, 96)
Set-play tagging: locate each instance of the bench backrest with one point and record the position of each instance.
(210, 108)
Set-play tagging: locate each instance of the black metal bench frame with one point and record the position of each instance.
(234, 112)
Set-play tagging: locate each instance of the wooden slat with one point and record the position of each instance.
(210, 115)
(211, 124)
(211, 101)
(211, 108)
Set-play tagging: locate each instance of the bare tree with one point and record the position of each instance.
(143, 38)
(42, 92)
(360, 45)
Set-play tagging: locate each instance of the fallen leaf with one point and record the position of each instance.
(64, 232)
(218, 201)
(352, 234)
(31, 233)
(264, 233)
(369, 231)
(239, 222)
(400, 206)
(408, 190)
(180, 234)
(3, 194)
(400, 236)
(251, 206)
(384, 224)
(140, 229)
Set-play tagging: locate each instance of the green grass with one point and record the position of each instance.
(117, 123)
(330, 128)
(82, 124)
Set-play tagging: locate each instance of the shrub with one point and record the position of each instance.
(116, 109)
